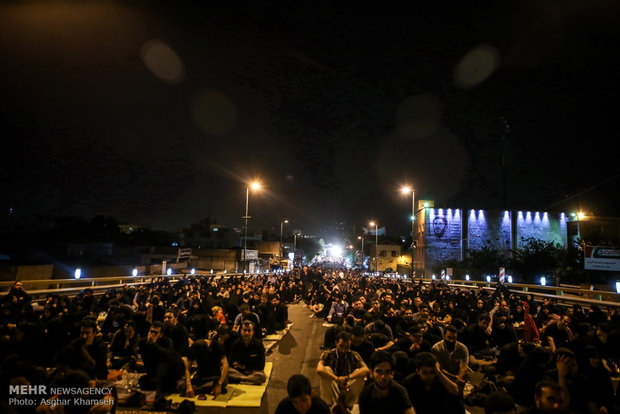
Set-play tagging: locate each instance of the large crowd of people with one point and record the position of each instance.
(392, 345)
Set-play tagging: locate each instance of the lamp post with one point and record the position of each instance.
(255, 185)
(407, 190)
(376, 225)
(281, 250)
(362, 239)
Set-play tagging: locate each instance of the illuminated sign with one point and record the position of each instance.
(601, 258)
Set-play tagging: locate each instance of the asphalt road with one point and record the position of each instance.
(297, 352)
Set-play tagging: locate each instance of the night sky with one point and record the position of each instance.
(159, 113)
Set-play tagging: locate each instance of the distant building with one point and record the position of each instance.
(209, 235)
(385, 257)
(449, 234)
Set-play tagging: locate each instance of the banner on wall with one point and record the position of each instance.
(601, 258)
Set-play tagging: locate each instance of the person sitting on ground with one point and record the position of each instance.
(578, 388)
(246, 314)
(212, 369)
(479, 342)
(558, 334)
(499, 402)
(338, 309)
(247, 357)
(453, 356)
(361, 344)
(301, 398)
(163, 364)
(412, 342)
(380, 334)
(382, 393)
(124, 347)
(549, 398)
(174, 330)
(342, 371)
(429, 389)
(88, 352)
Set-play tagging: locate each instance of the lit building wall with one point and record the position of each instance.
(447, 235)
(443, 235)
(549, 227)
(489, 228)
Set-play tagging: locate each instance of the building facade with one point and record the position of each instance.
(448, 234)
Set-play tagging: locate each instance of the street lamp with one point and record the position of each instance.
(362, 239)
(407, 190)
(281, 250)
(376, 225)
(255, 186)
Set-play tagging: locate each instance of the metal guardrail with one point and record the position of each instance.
(39, 289)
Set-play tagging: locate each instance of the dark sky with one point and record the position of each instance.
(158, 113)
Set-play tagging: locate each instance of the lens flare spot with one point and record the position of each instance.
(162, 61)
(476, 66)
(214, 112)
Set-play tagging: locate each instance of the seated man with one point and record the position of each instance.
(499, 402)
(338, 309)
(549, 397)
(211, 376)
(164, 366)
(301, 398)
(479, 342)
(452, 356)
(176, 331)
(88, 352)
(342, 371)
(247, 357)
(382, 394)
(124, 347)
(429, 389)
(246, 314)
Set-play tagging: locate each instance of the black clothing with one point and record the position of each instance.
(252, 357)
(72, 356)
(396, 401)
(318, 407)
(179, 336)
(436, 399)
(163, 365)
(208, 358)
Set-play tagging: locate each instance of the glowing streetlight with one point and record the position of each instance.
(376, 226)
(281, 250)
(362, 239)
(255, 186)
(406, 190)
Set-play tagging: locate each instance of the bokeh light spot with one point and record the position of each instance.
(476, 66)
(418, 116)
(162, 61)
(214, 112)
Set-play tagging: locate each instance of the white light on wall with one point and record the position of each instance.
(169, 271)
(192, 272)
(134, 272)
(543, 281)
(466, 277)
(78, 273)
(433, 277)
(617, 287)
(447, 277)
(488, 278)
(509, 279)
(211, 271)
